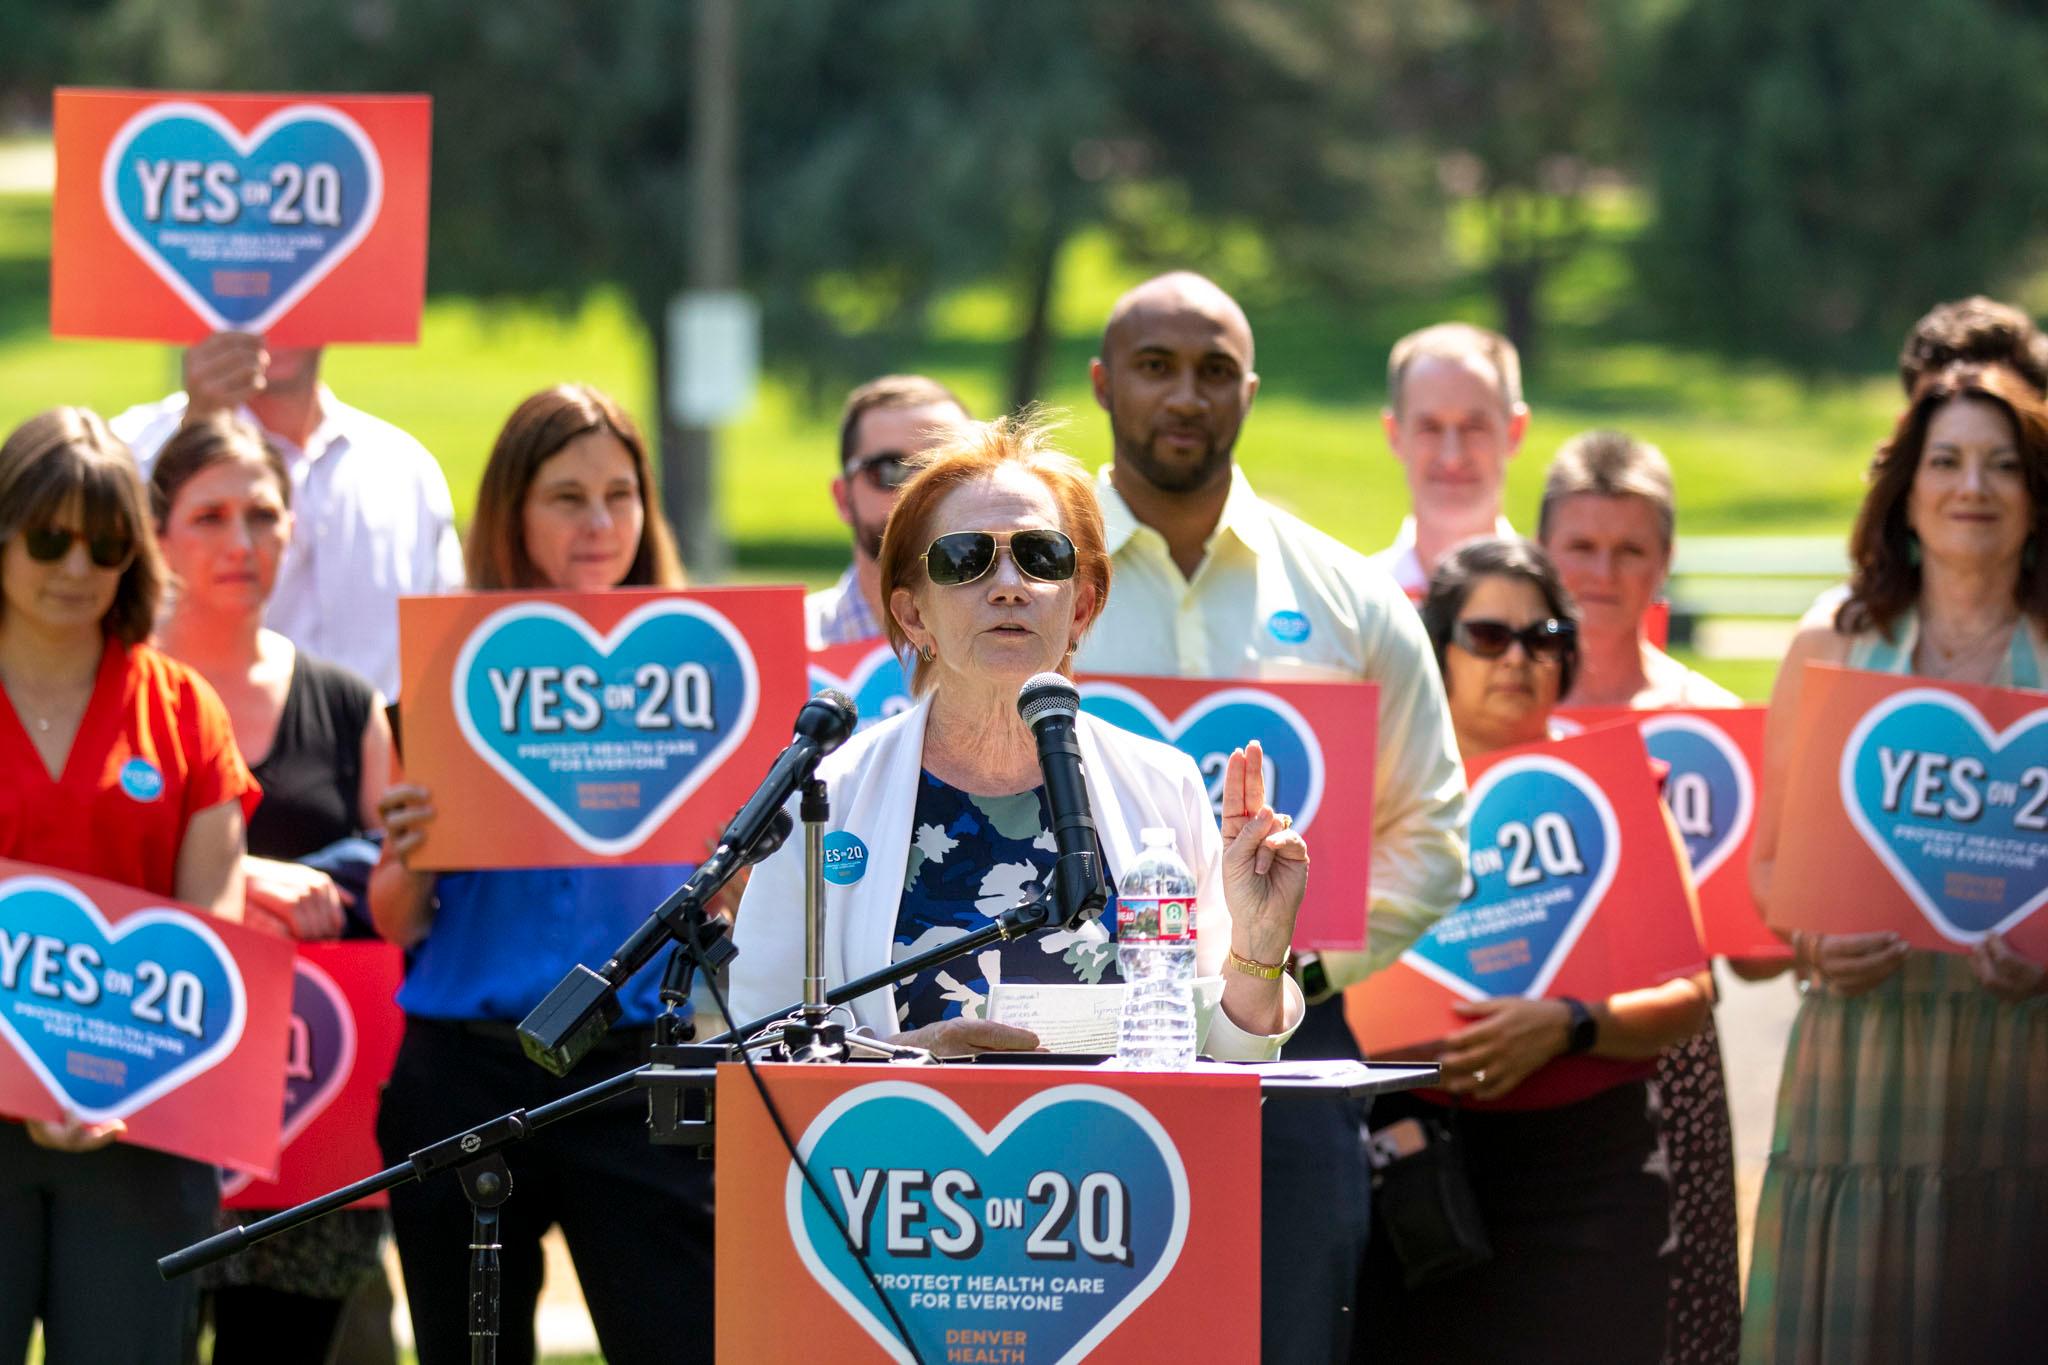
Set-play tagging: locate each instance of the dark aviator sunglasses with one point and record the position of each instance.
(964, 556)
(888, 468)
(48, 544)
(1547, 640)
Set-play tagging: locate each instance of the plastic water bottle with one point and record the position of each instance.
(1155, 951)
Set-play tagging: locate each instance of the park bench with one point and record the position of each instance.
(1739, 597)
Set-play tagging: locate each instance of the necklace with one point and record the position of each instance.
(46, 713)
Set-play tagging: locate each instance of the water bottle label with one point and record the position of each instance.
(1160, 919)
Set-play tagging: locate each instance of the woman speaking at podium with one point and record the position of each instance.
(993, 568)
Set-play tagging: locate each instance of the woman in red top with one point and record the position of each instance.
(118, 763)
(1551, 1101)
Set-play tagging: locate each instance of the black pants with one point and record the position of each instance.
(79, 1238)
(1577, 1204)
(637, 1217)
(1315, 1209)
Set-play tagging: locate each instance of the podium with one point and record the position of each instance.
(1014, 1214)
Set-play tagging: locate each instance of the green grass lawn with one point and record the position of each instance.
(1754, 451)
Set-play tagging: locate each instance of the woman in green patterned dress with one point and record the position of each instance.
(1905, 1211)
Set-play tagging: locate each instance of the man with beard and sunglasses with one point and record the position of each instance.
(886, 425)
(1214, 582)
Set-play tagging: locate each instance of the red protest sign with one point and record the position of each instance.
(1917, 807)
(1574, 889)
(565, 729)
(1715, 757)
(117, 1004)
(343, 1036)
(1319, 740)
(299, 217)
(1076, 1214)
(868, 672)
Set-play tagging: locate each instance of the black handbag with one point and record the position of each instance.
(1423, 1202)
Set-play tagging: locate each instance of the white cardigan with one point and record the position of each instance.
(1133, 784)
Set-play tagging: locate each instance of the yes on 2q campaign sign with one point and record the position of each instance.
(1919, 807)
(1010, 1214)
(1713, 792)
(116, 1004)
(867, 671)
(1319, 741)
(564, 729)
(302, 218)
(343, 1037)
(1573, 889)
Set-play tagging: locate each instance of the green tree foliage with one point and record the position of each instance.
(1824, 172)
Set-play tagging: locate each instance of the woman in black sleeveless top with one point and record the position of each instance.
(221, 498)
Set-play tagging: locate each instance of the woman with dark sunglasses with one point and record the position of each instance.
(115, 762)
(993, 567)
(1551, 1101)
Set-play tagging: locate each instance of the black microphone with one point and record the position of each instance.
(1049, 703)
(576, 1013)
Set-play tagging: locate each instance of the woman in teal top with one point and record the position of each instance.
(1905, 1211)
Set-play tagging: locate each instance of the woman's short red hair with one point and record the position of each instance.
(980, 451)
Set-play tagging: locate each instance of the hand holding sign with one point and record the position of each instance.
(73, 1134)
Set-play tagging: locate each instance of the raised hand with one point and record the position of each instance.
(1265, 862)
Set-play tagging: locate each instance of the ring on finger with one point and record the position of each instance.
(1479, 1077)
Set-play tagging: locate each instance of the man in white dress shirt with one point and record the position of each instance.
(1454, 418)
(1210, 581)
(374, 517)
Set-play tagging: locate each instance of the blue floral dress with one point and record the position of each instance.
(971, 858)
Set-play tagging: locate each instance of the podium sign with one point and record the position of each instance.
(1020, 1214)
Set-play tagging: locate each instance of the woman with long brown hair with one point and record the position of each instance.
(566, 503)
(1905, 1210)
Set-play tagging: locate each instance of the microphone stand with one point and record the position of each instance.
(813, 1035)
(475, 1155)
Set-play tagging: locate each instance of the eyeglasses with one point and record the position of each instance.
(964, 556)
(1543, 641)
(48, 544)
(888, 468)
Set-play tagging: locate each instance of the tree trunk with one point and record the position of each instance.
(1517, 286)
(1034, 344)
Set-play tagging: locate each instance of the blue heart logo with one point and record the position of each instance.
(1545, 846)
(241, 226)
(1218, 723)
(1056, 1225)
(877, 686)
(1709, 792)
(319, 1055)
(1956, 813)
(111, 1018)
(607, 735)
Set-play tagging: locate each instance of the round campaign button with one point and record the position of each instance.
(846, 858)
(1288, 627)
(141, 780)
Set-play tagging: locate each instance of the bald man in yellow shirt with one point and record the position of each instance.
(1210, 581)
